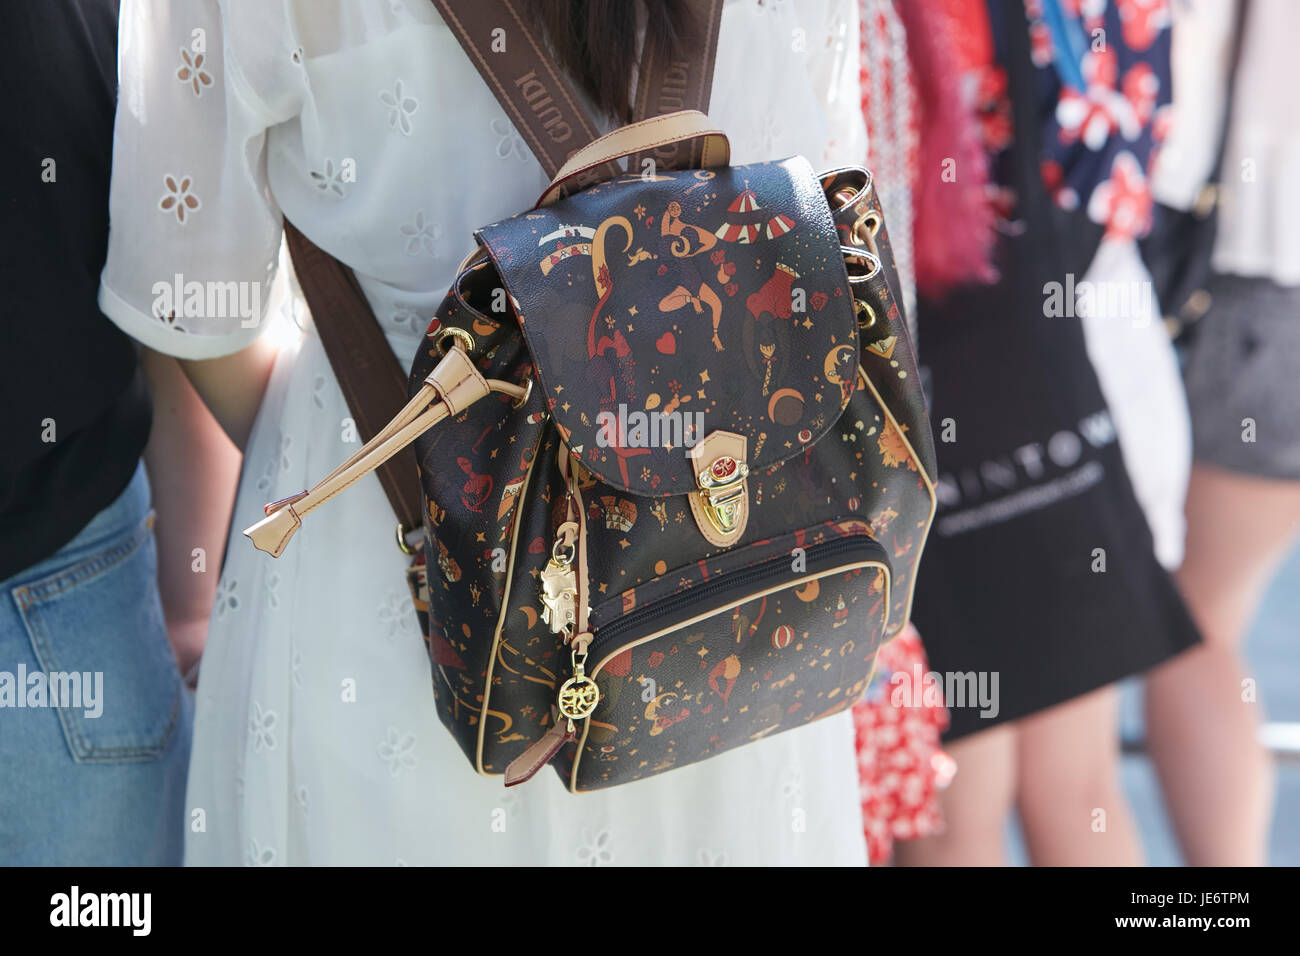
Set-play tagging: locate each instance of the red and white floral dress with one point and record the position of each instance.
(900, 764)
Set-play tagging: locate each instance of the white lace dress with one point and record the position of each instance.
(316, 740)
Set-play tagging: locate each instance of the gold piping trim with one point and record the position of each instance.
(586, 724)
(505, 610)
(929, 486)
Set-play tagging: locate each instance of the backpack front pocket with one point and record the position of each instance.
(730, 649)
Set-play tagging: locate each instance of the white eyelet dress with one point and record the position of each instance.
(363, 122)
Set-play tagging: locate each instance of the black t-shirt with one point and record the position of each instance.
(74, 410)
(1040, 581)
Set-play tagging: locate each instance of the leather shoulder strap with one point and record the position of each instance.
(368, 373)
(679, 80)
(513, 61)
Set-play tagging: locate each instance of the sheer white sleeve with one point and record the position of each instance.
(194, 232)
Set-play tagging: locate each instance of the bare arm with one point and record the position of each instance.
(232, 386)
(193, 470)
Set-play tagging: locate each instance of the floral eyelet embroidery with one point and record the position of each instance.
(275, 465)
(397, 614)
(318, 392)
(397, 751)
(596, 850)
(328, 179)
(259, 855)
(405, 317)
(421, 236)
(509, 142)
(178, 197)
(226, 600)
(192, 71)
(168, 319)
(261, 727)
(400, 108)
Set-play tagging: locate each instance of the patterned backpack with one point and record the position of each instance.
(695, 502)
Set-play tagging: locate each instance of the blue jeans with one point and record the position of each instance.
(95, 719)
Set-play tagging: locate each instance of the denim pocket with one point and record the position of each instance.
(102, 617)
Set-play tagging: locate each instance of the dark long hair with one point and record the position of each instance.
(595, 42)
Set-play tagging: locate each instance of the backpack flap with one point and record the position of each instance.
(688, 327)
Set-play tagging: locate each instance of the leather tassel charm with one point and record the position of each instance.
(540, 753)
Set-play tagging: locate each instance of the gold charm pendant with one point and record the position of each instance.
(579, 695)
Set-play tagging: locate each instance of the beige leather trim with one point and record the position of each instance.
(272, 533)
(639, 138)
(505, 609)
(458, 382)
(929, 485)
(452, 386)
(586, 724)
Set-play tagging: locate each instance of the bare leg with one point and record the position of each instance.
(975, 805)
(1217, 778)
(715, 309)
(1072, 807)
(676, 299)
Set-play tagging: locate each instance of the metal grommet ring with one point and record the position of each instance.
(863, 232)
(528, 391)
(865, 229)
(855, 259)
(401, 540)
(460, 335)
(860, 308)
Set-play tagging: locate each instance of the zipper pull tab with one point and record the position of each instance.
(523, 767)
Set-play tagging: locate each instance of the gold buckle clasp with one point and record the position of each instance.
(722, 492)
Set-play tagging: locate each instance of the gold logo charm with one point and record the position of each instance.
(578, 697)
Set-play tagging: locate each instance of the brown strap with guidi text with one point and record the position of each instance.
(513, 61)
(542, 104)
(683, 81)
